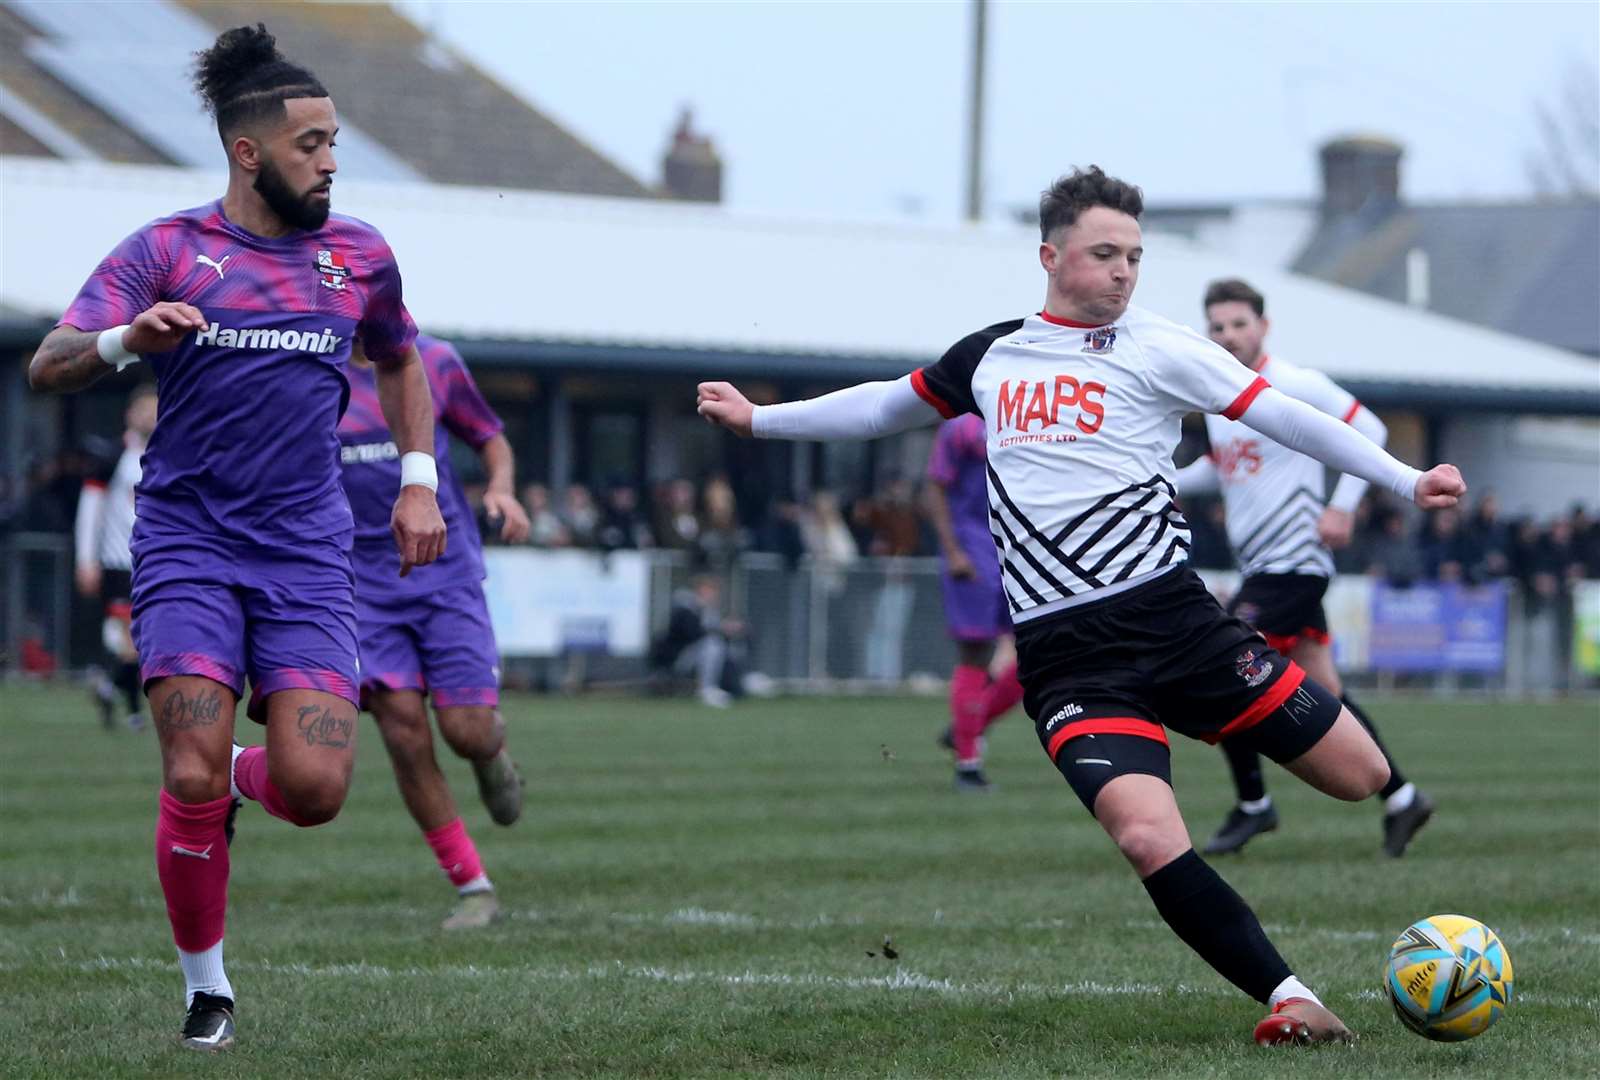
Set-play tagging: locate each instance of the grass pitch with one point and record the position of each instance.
(700, 893)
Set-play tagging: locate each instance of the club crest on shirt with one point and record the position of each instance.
(1100, 341)
(331, 269)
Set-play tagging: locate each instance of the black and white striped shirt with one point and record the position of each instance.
(1081, 424)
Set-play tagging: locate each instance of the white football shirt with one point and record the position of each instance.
(1081, 423)
(1275, 495)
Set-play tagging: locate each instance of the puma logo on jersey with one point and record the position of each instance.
(217, 266)
(203, 853)
(1049, 403)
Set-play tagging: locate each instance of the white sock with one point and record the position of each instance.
(1256, 806)
(233, 788)
(1292, 988)
(481, 883)
(202, 971)
(1401, 799)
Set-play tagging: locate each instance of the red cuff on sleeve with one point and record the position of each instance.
(1242, 402)
(1355, 407)
(919, 383)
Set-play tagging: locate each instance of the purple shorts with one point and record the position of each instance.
(285, 618)
(441, 644)
(975, 608)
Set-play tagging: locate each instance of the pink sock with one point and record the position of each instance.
(1001, 696)
(250, 776)
(457, 855)
(192, 862)
(967, 686)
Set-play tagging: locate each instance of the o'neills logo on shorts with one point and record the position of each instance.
(321, 342)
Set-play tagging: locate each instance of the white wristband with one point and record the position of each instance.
(109, 346)
(419, 468)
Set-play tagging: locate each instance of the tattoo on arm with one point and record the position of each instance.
(66, 360)
(180, 713)
(324, 727)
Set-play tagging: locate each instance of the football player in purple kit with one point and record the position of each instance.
(429, 632)
(246, 309)
(975, 606)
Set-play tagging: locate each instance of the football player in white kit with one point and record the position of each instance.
(1281, 533)
(1117, 639)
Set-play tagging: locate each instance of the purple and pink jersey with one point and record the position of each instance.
(241, 564)
(975, 609)
(371, 469)
(245, 444)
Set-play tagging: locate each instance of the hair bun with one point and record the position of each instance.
(234, 58)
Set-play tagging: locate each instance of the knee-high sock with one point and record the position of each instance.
(1397, 779)
(1215, 922)
(250, 776)
(457, 854)
(968, 685)
(1245, 763)
(192, 862)
(1001, 696)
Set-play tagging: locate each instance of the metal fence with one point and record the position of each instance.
(875, 624)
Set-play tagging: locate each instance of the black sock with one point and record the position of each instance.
(1397, 779)
(1215, 922)
(1246, 765)
(127, 680)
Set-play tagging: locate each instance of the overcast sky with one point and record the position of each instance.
(860, 108)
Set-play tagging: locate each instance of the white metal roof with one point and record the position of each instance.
(533, 266)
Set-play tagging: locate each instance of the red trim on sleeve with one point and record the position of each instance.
(1355, 407)
(1106, 725)
(1056, 320)
(1263, 706)
(1242, 402)
(919, 383)
(123, 611)
(95, 485)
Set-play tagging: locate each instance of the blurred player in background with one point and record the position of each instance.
(429, 633)
(1117, 638)
(1281, 533)
(245, 309)
(104, 565)
(975, 607)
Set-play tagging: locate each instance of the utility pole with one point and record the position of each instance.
(980, 18)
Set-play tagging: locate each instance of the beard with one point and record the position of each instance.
(295, 210)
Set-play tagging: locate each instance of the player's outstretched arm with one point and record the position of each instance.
(499, 499)
(407, 404)
(863, 411)
(1315, 434)
(69, 359)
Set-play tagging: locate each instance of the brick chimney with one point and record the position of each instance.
(691, 169)
(1359, 172)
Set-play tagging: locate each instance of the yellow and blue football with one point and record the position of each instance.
(1448, 978)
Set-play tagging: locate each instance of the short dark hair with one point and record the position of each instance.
(1235, 289)
(1069, 196)
(244, 79)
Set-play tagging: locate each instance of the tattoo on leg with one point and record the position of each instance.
(181, 713)
(324, 727)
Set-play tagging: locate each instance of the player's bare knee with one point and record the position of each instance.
(1149, 845)
(190, 778)
(315, 796)
(405, 732)
(475, 732)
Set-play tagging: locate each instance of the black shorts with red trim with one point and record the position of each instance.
(116, 593)
(1104, 683)
(1286, 609)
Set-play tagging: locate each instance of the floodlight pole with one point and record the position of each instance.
(980, 19)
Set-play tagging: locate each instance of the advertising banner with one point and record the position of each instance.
(550, 603)
(1439, 627)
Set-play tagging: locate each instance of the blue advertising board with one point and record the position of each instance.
(1439, 627)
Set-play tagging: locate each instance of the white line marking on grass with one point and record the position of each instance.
(902, 980)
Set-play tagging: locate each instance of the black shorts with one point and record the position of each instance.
(1285, 608)
(1105, 680)
(116, 593)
